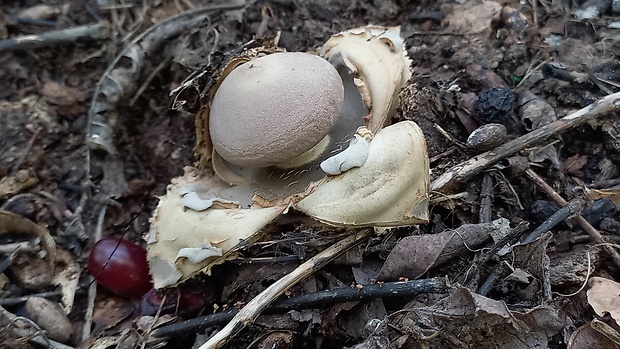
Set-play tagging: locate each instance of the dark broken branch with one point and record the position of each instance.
(318, 299)
(256, 306)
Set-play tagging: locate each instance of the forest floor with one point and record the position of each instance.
(519, 252)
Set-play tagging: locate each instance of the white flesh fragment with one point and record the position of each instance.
(196, 255)
(194, 202)
(354, 156)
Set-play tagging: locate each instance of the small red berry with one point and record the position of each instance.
(120, 266)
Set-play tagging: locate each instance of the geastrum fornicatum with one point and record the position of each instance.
(280, 131)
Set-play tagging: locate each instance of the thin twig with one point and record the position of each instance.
(449, 137)
(512, 190)
(26, 151)
(535, 13)
(486, 199)
(249, 313)
(529, 73)
(461, 173)
(595, 80)
(150, 328)
(513, 236)
(148, 80)
(585, 225)
(18, 300)
(92, 289)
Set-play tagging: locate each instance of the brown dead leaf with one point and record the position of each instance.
(248, 278)
(367, 271)
(69, 101)
(31, 270)
(373, 342)
(67, 276)
(532, 258)
(415, 255)
(534, 111)
(472, 18)
(553, 25)
(596, 194)
(484, 323)
(3, 281)
(277, 340)
(604, 297)
(349, 319)
(612, 194)
(587, 338)
(110, 311)
(542, 153)
(574, 164)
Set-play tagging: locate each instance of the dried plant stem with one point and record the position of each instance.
(464, 171)
(67, 36)
(585, 225)
(249, 313)
(92, 288)
(486, 199)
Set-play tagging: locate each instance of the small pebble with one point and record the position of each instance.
(486, 137)
(50, 317)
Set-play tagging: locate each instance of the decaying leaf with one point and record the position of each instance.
(11, 185)
(603, 297)
(415, 255)
(595, 194)
(532, 258)
(67, 277)
(381, 179)
(587, 338)
(3, 281)
(569, 269)
(31, 274)
(480, 322)
(534, 111)
(110, 311)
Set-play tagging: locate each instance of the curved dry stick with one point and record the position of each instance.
(464, 171)
(99, 133)
(250, 312)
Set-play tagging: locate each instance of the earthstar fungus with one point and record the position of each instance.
(280, 131)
